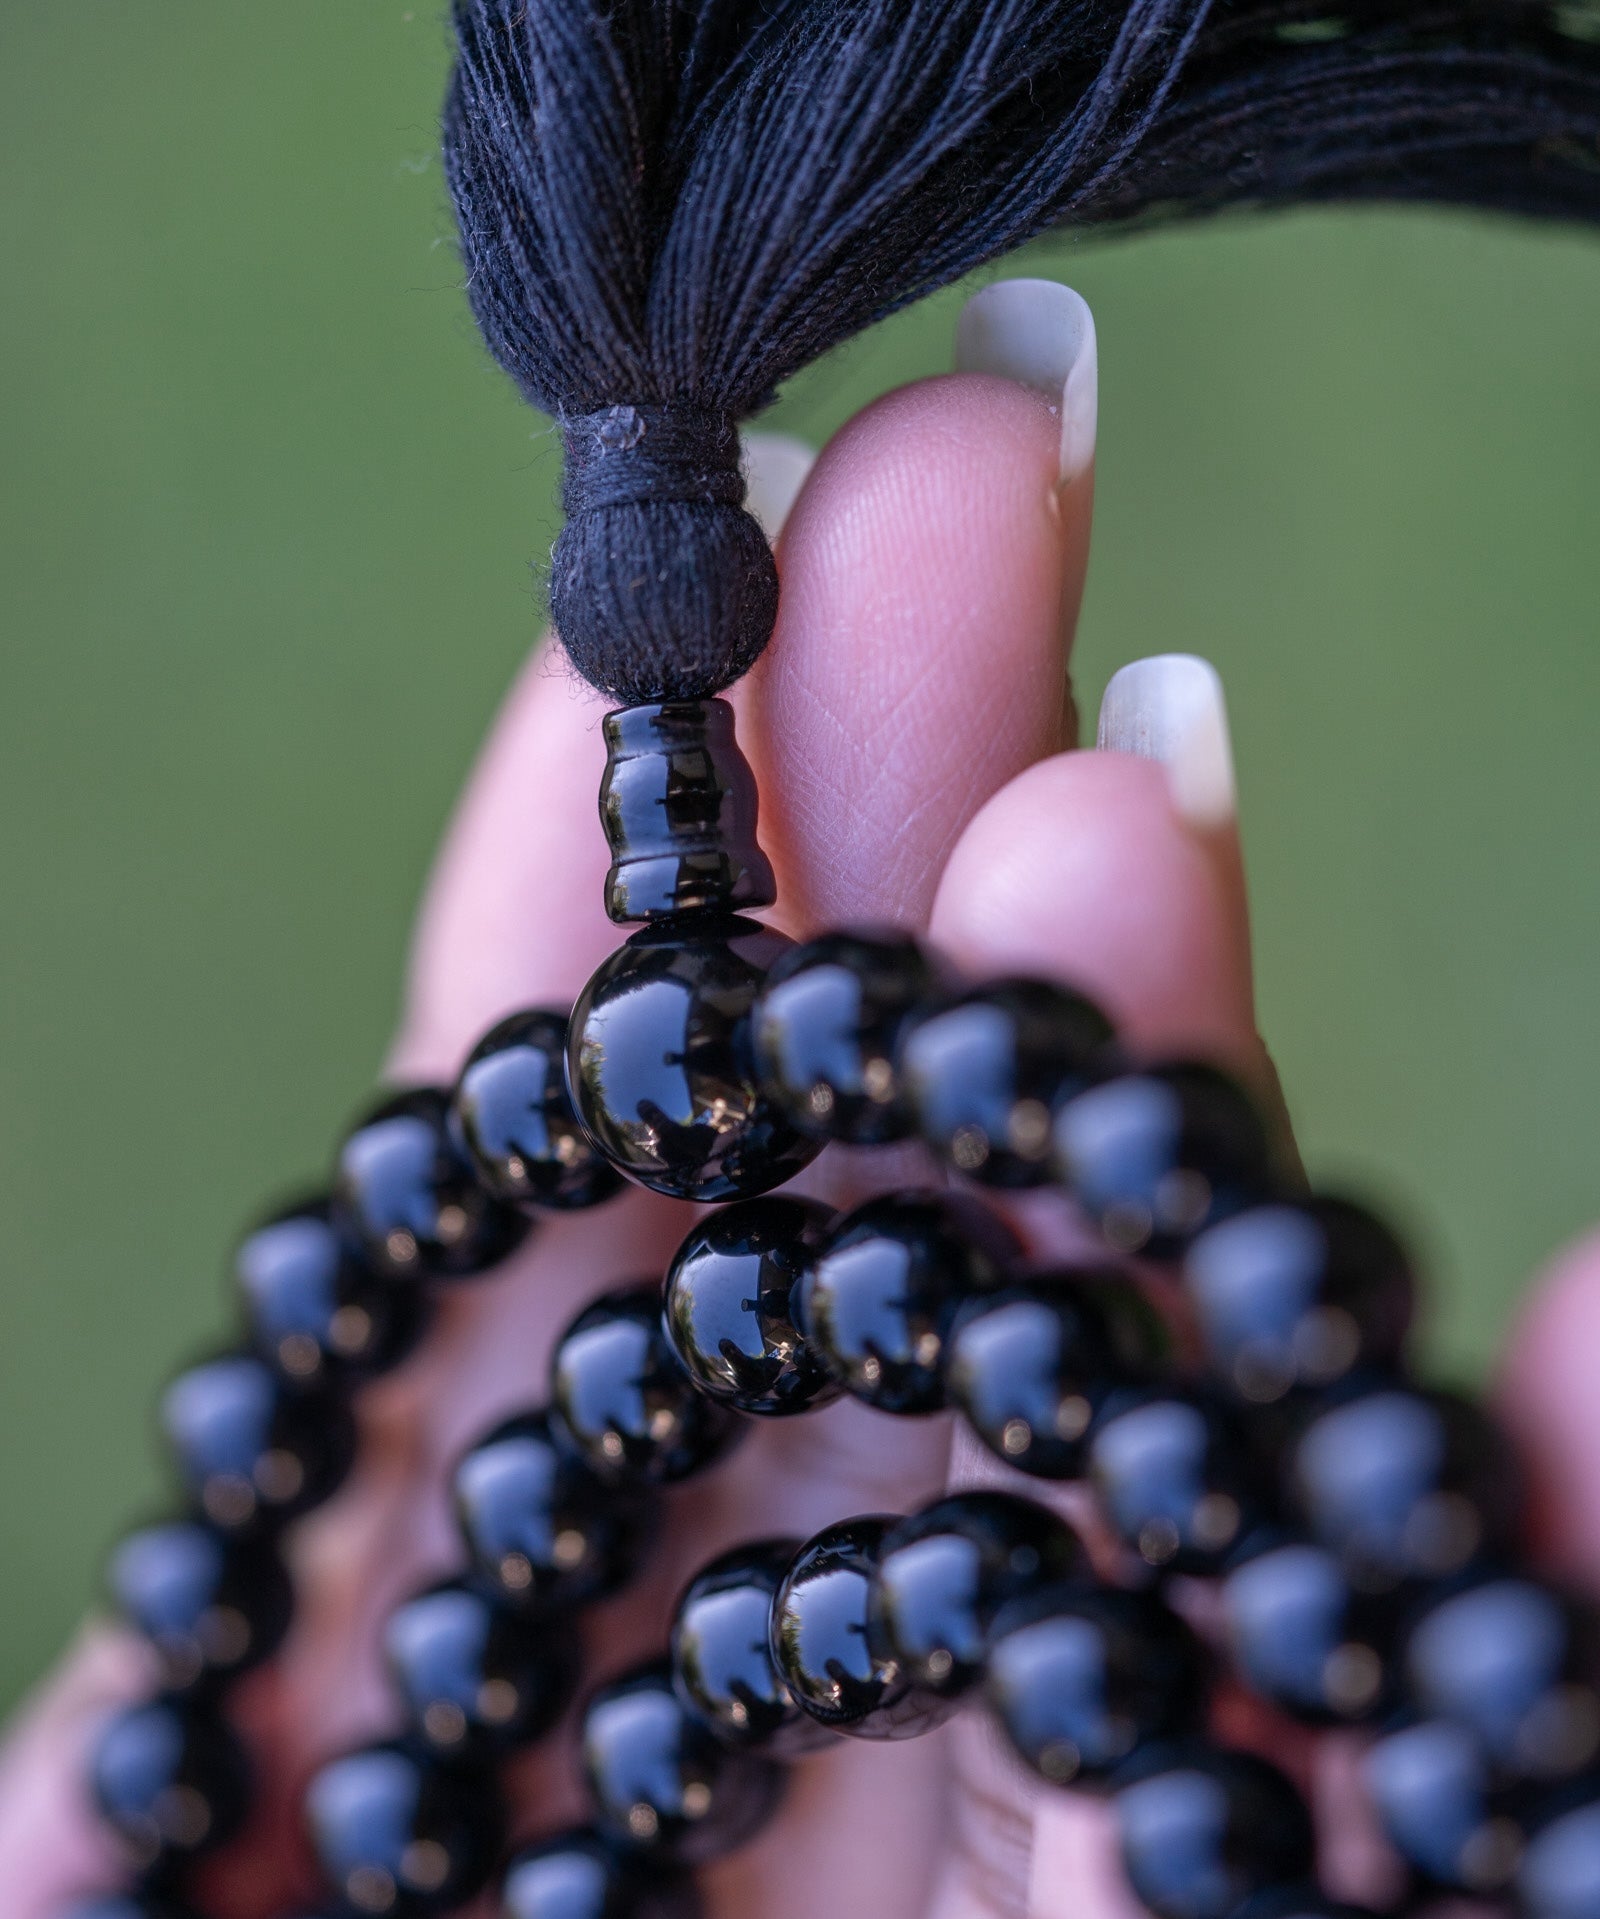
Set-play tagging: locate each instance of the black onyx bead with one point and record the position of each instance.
(624, 1399)
(729, 1307)
(1205, 1831)
(1157, 1156)
(1430, 1786)
(126, 1905)
(412, 1201)
(475, 1676)
(678, 803)
(663, 1781)
(984, 1072)
(945, 1572)
(1297, 1293)
(823, 1643)
(512, 1116)
(1559, 1873)
(1031, 1364)
(171, 1779)
(542, 1527)
(722, 1660)
(211, 1606)
(1402, 1483)
(316, 1311)
(1302, 1637)
(877, 1304)
(661, 1065)
(1082, 1677)
(827, 1033)
(1173, 1477)
(582, 1875)
(1517, 1664)
(250, 1447)
(399, 1833)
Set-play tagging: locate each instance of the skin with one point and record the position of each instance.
(909, 727)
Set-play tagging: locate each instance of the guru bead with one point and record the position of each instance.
(678, 804)
(315, 1310)
(248, 1447)
(1300, 1634)
(1173, 1477)
(1030, 1365)
(171, 1779)
(822, 1640)
(398, 1833)
(583, 1875)
(1205, 1831)
(474, 1675)
(1297, 1294)
(210, 1605)
(984, 1072)
(877, 1304)
(827, 1033)
(406, 1193)
(722, 1660)
(1081, 1678)
(512, 1116)
(728, 1308)
(541, 1525)
(944, 1572)
(662, 1067)
(626, 1402)
(1155, 1157)
(662, 1780)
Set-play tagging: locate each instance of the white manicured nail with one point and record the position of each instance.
(775, 469)
(1171, 709)
(1042, 334)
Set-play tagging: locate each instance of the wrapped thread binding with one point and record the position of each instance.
(668, 207)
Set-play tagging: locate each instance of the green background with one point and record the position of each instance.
(266, 518)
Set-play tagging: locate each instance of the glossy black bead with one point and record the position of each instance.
(1156, 1157)
(624, 1399)
(1030, 1364)
(1402, 1483)
(126, 1905)
(944, 1572)
(1081, 1678)
(729, 1307)
(583, 1875)
(410, 1199)
(1301, 1635)
(1297, 1293)
(663, 1781)
(512, 1116)
(984, 1071)
(678, 803)
(1174, 1478)
(249, 1447)
(541, 1525)
(315, 1310)
(1204, 1831)
(474, 1675)
(877, 1304)
(171, 1779)
(662, 1067)
(722, 1659)
(828, 1024)
(212, 1606)
(1303, 1902)
(824, 1646)
(1519, 1665)
(399, 1833)
(1430, 1785)
(1558, 1876)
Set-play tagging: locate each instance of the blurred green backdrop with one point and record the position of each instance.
(266, 517)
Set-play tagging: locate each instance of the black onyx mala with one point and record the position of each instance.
(1358, 1529)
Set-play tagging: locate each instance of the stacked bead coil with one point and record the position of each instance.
(1355, 1532)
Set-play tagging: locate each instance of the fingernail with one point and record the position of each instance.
(1042, 334)
(775, 468)
(1171, 709)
